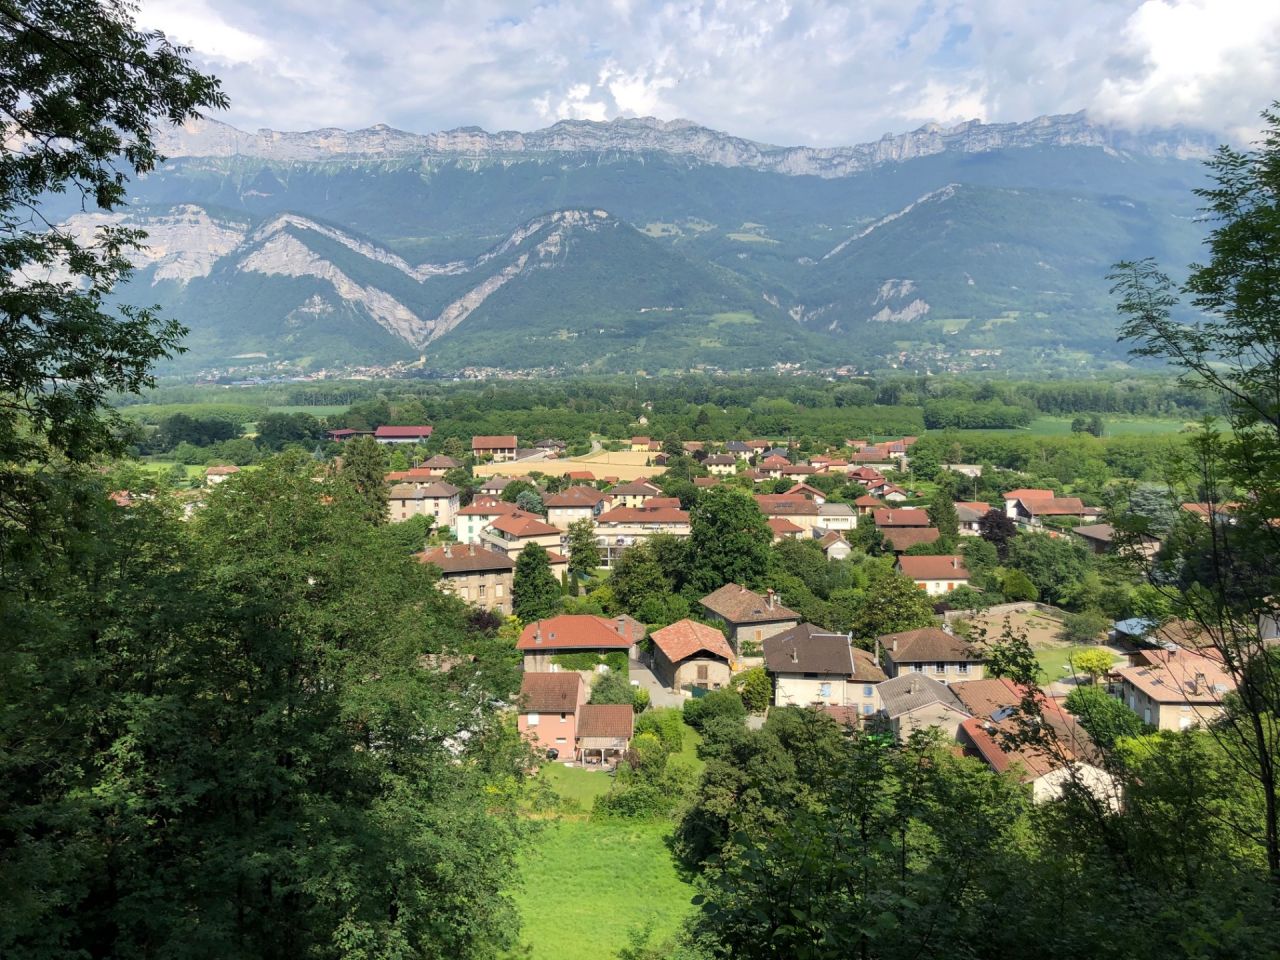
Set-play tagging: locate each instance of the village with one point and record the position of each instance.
(833, 505)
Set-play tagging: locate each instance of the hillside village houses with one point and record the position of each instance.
(403, 435)
(814, 667)
(689, 654)
(748, 617)
(497, 449)
(935, 575)
(573, 504)
(437, 499)
(933, 651)
(1175, 689)
(474, 574)
(542, 642)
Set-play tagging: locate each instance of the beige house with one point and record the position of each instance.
(915, 701)
(474, 574)
(542, 641)
(215, 475)
(813, 667)
(933, 651)
(438, 500)
(634, 494)
(837, 516)
(499, 449)
(513, 532)
(1175, 690)
(482, 512)
(801, 511)
(750, 618)
(835, 546)
(721, 465)
(571, 505)
(621, 528)
(691, 654)
(936, 576)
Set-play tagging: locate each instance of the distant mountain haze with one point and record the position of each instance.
(647, 245)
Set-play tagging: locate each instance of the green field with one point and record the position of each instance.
(608, 877)
(1129, 426)
(316, 410)
(587, 885)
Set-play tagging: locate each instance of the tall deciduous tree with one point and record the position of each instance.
(584, 551)
(535, 594)
(942, 514)
(998, 529)
(892, 603)
(728, 541)
(1228, 573)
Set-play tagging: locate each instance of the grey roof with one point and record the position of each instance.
(429, 491)
(809, 649)
(930, 644)
(910, 691)
(835, 510)
(737, 446)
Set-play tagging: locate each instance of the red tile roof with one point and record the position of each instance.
(900, 517)
(903, 540)
(737, 604)
(574, 497)
(606, 720)
(706, 481)
(494, 509)
(580, 632)
(927, 645)
(786, 505)
(1055, 506)
(580, 475)
(550, 692)
(783, 527)
(403, 433)
(225, 471)
(642, 515)
(948, 567)
(465, 558)
(684, 638)
(507, 442)
(1023, 493)
(521, 524)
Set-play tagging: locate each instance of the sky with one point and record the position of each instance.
(814, 72)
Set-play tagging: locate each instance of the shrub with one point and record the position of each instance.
(717, 704)
(667, 724)
(1018, 586)
(1084, 627)
(755, 689)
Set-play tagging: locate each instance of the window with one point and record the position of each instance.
(950, 587)
(702, 671)
(939, 668)
(533, 719)
(868, 690)
(824, 689)
(481, 589)
(560, 740)
(962, 668)
(866, 708)
(497, 590)
(564, 717)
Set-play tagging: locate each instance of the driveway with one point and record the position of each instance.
(659, 696)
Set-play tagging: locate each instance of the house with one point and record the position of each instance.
(403, 434)
(496, 486)
(1033, 511)
(915, 701)
(604, 732)
(899, 517)
(691, 654)
(813, 667)
(542, 641)
(1100, 538)
(834, 545)
(932, 651)
(783, 529)
(215, 475)
(738, 449)
(549, 706)
(837, 516)
(866, 475)
(344, 434)
(642, 444)
(866, 505)
(633, 494)
(471, 520)
(573, 504)
(773, 465)
(581, 476)
(693, 446)
(969, 513)
(512, 532)
(902, 539)
(623, 527)
(721, 465)
(704, 483)
(750, 617)
(798, 471)
(551, 446)
(439, 465)
(801, 511)
(1071, 755)
(438, 500)
(888, 491)
(804, 490)
(1176, 690)
(936, 576)
(474, 574)
(499, 449)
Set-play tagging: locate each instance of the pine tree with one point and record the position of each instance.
(364, 470)
(942, 514)
(584, 551)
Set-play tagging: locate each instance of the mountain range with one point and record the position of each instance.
(639, 244)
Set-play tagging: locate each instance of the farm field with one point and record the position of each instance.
(603, 463)
(316, 410)
(1112, 427)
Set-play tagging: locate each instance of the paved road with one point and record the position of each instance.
(659, 696)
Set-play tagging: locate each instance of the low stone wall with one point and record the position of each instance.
(1001, 609)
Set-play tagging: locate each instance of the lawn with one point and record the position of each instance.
(316, 410)
(608, 877)
(1054, 661)
(587, 885)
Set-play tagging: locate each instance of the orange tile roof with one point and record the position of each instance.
(550, 692)
(684, 638)
(580, 632)
(934, 568)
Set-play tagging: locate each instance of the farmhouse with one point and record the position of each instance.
(543, 640)
(933, 651)
(914, 701)
(499, 449)
(936, 576)
(403, 434)
(691, 654)
(438, 500)
(1176, 689)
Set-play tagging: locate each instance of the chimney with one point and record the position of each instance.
(795, 656)
(537, 632)
(769, 599)
(622, 626)
(894, 646)
(955, 563)
(915, 685)
(946, 628)
(448, 550)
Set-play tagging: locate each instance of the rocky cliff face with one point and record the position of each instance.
(678, 138)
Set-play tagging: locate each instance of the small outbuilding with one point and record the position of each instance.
(691, 654)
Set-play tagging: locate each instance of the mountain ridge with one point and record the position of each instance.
(676, 138)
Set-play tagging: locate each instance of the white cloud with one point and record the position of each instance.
(784, 71)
